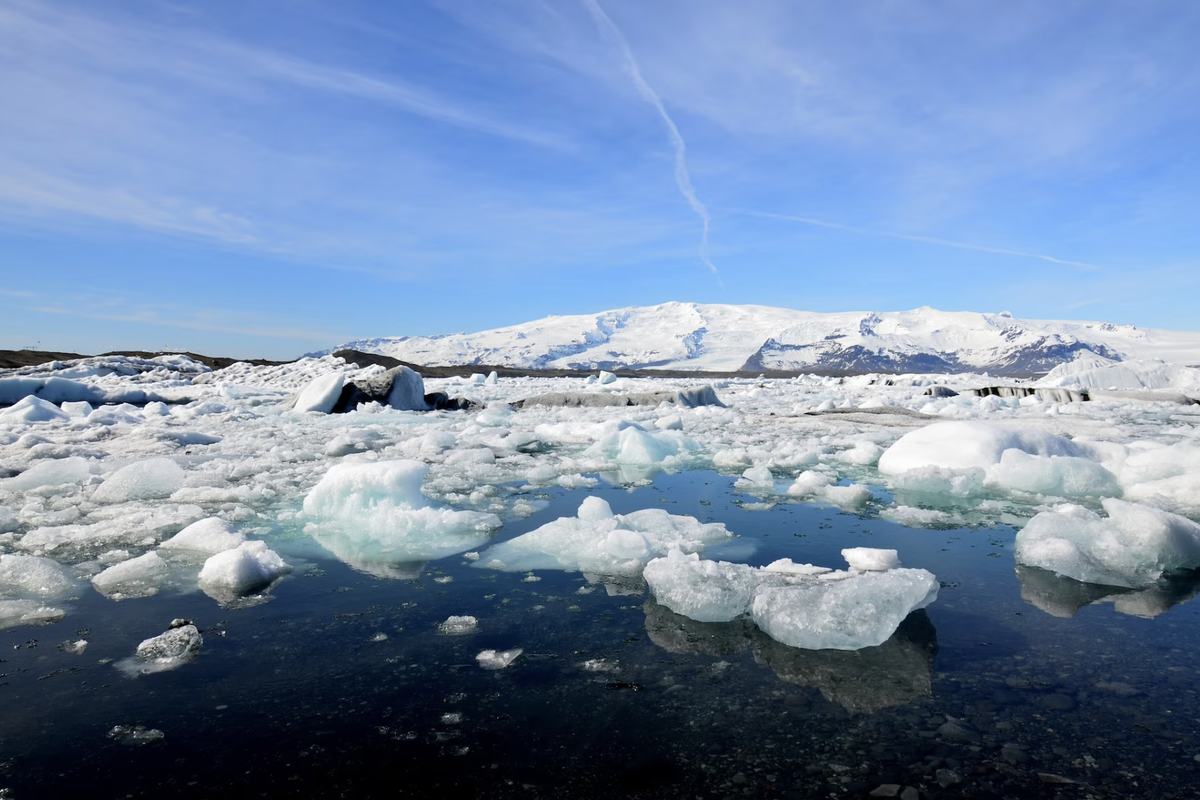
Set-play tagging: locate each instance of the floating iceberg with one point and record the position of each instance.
(137, 577)
(248, 567)
(374, 513)
(210, 535)
(798, 604)
(1133, 547)
(600, 542)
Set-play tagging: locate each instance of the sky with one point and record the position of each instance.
(265, 178)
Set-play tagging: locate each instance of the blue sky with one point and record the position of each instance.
(269, 177)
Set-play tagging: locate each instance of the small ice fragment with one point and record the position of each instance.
(871, 559)
(75, 648)
(443, 579)
(595, 508)
(759, 476)
(27, 612)
(178, 645)
(452, 717)
(379, 637)
(600, 665)
(457, 625)
(531, 578)
(786, 565)
(136, 735)
(471, 556)
(493, 659)
(850, 496)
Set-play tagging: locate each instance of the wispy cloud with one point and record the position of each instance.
(1079, 265)
(682, 177)
(174, 319)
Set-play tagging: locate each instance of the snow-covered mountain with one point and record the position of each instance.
(693, 336)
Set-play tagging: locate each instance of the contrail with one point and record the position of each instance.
(682, 178)
(926, 239)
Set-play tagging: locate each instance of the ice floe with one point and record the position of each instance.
(598, 541)
(798, 604)
(1134, 546)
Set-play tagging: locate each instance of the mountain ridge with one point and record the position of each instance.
(724, 337)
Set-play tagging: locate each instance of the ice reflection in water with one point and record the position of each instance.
(867, 680)
(1060, 596)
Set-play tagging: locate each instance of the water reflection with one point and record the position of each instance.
(1063, 597)
(391, 556)
(867, 680)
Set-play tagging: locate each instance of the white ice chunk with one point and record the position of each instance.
(851, 496)
(211, 536)
(321, 394)
(1133, 547)
(177, 646)
(964, 445)
(498, 659)
(49, 472)
(375, 514)
(32, 409)
(860, 611)
(458, 625)
(32, 575)
(759, 476)
(707, 591)
(142, 480)
(246, 568)
(809, 483)
(871, 559)
(595, 508)
(1062, 476)
(599, 542)
(8, 520)
(606, 377)
(137, 577)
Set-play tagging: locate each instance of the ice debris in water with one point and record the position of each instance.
(246, 568)
(27, 612)
(1133, 547)
(135, 735)
(178, 645)
(373, 514)
(32, 575)
(137, 577)
(210, 535)
(498, 659)
(456, 625)
(142, 480)
(599, 541)
(798, 604)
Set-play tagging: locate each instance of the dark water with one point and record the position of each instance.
(985, 694)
